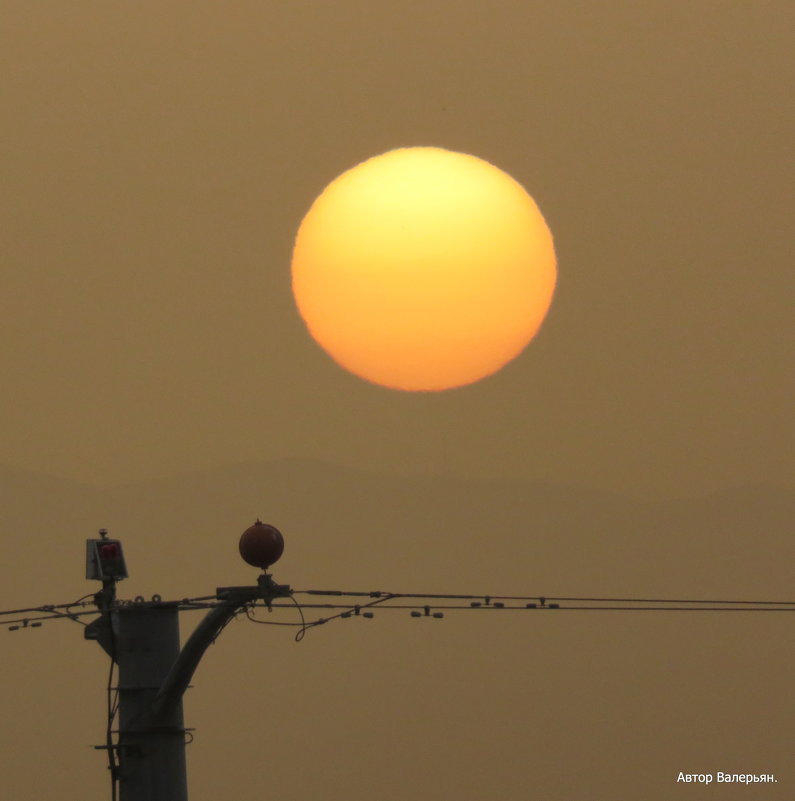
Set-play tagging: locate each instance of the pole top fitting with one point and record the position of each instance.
(261, 545)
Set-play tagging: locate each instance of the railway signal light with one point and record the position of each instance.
(105, 559)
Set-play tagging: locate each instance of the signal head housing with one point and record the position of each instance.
(105, 560)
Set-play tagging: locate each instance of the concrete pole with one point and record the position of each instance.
(143, 639)
(153, 675)
(151, 753)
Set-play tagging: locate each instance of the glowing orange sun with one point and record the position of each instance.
(423, 269)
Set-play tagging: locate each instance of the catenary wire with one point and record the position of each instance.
(378, 593)
(385, 600)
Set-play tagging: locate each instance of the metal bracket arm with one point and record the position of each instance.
(232, 599)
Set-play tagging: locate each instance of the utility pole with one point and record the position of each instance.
(147, 758)
(148, 762)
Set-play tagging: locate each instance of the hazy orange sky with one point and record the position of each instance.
(160, 156)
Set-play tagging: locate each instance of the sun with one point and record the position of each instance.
(423, 269)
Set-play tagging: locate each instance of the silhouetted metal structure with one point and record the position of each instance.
(148, 761)
(146, 755)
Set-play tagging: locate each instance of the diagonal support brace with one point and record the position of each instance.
(232, 600)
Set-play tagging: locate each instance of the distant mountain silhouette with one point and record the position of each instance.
(345, 525)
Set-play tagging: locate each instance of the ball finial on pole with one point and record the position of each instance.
(261, 545)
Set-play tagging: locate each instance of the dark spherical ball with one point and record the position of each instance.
(261, 545)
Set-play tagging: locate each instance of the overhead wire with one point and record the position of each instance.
(361, 604)
(407, 601)
(378, 593)
(540, 608)
(113, 706)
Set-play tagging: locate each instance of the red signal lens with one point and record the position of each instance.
(109, 551)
